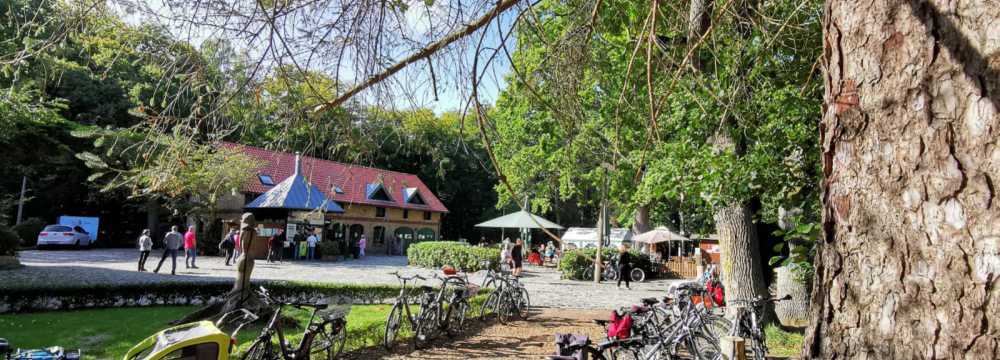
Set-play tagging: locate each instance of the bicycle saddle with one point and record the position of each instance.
(319, 306)
(650, 301)
(601, 322)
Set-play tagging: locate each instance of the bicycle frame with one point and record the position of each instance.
(273, 327)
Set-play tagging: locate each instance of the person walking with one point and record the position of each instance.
(171, 243)
(227, 245)
(550, 252)
(624, 266)
(274, 246)
(311, 242)
(517, 256)
(190, 248)
(362, 244)
(505, 254)
(145, 246)
(237, 249)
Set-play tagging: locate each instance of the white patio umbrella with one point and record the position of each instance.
(659, 235)
(519, 220)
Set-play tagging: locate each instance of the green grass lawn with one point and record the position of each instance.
(109, 333)
(783, 343)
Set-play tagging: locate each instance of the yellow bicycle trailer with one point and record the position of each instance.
(200, 340)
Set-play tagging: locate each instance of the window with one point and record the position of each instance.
(406, 214)
(195, 352)
(427, 215)
(412, 196)
(265, 179)
(377, 192)
(380, 212)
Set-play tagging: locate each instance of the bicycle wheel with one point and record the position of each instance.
(427, 325)
(701, 347)
(523, 305)
(623, 353)
(393, 324)
(261, 349)
(329, 340)
(506, 307)
(637, 275)
(488, 308)
(456, 317)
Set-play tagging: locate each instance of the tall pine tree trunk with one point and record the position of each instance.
(908, 263)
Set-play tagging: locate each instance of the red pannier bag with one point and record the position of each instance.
(715, 291)
(620, 326)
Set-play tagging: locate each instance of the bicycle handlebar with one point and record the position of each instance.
(760, 300)
(407, 278)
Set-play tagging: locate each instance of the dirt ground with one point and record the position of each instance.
(530, 339)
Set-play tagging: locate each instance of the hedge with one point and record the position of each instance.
(40, 298)
(579, 264)
(435, 254)
(9, 241)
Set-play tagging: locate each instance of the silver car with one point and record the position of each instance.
(63, 235)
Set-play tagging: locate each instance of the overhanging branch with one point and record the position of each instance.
(427, 51)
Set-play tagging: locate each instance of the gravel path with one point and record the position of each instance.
(118, 266)
(530, 339)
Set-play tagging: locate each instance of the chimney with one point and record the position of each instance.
(298, 162)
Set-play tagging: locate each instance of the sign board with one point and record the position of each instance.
(89, 224)
(306, 217)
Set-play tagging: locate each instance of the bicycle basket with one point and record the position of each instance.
(470, 290)
(334, 312)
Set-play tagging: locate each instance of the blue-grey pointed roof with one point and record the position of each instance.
(294, 193)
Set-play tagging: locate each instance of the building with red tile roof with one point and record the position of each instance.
(383, 205)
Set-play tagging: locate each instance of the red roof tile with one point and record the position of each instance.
(352, 179)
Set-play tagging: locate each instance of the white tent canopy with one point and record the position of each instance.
(587, 237)
(658, 235)
(520, 220)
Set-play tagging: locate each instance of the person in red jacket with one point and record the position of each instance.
(190, 248)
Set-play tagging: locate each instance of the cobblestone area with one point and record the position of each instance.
(119, 266)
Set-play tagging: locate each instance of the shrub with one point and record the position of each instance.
(579, 264)
(329, 248)
(435, 254)
(9, 241)
(44, 297)
(28, 230)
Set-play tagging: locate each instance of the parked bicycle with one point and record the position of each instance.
(323, 338)
(453, 296)
(749, 324)
(508, 300)
(610, 272)
(423, 323)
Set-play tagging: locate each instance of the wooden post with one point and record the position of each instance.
(733, 348)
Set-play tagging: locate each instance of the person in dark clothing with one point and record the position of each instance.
(274, 245)
(172, 242)
(624, 266)
(517, 256)
(227, 245)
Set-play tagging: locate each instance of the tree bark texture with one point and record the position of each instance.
(699, 19)
(740, 263)
(793, 312)
(908, 262)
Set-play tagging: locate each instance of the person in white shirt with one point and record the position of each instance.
(145, 246)
(362, 244)
(311, 241)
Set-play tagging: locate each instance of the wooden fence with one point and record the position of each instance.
(681, 268)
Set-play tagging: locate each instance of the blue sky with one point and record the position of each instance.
(411, 87)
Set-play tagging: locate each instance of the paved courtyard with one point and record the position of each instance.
(103, 266)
